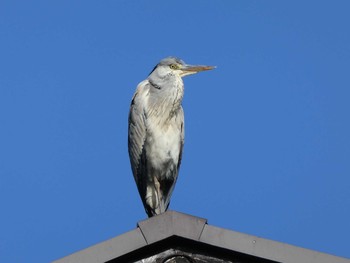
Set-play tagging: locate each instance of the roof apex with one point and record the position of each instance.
(171, 223)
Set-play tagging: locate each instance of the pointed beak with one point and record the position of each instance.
(193, 69)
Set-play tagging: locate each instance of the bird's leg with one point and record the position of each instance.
(151, 200)
(160, 206)
(149, 197)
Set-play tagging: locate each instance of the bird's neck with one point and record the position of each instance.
(166, 98)
(154, 85)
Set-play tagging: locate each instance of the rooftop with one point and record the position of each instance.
(176, 237)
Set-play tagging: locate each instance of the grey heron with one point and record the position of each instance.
(156, 132)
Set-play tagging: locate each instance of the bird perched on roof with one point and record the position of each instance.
(156, 132)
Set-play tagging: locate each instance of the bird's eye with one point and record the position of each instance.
(174, 66)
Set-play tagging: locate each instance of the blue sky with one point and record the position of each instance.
(267, 133)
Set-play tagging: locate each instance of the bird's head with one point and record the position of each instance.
(176, 66)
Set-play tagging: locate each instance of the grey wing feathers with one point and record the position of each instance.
(137, 133)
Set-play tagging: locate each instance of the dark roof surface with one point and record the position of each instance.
(177, 237)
